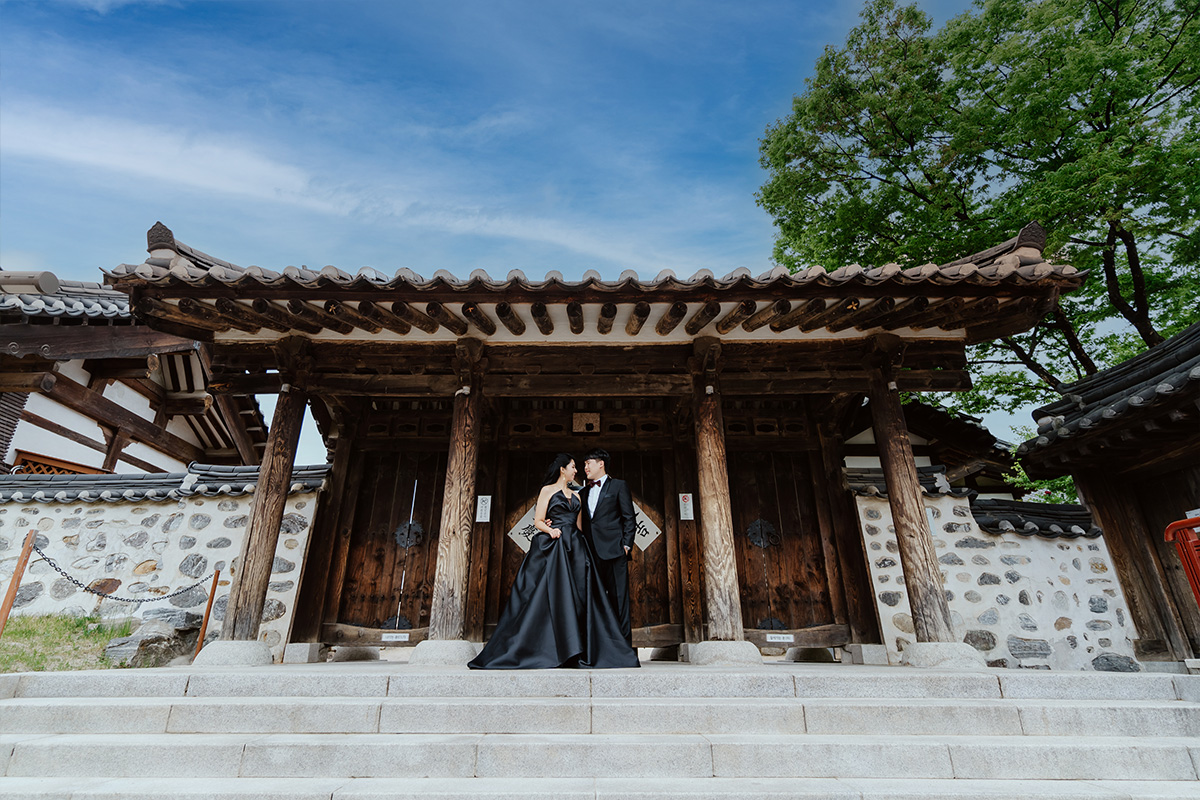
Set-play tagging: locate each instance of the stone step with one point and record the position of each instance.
(584, 789)
(601, 715)
(383, 679)
(211, 756)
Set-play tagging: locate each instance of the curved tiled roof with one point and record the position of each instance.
(207, 480)
(1158, 377)
(1017, 262)
(74, 299)
(1048, 520)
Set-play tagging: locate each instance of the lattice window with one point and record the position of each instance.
(32, 463)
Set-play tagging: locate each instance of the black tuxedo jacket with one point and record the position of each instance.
(613, 526)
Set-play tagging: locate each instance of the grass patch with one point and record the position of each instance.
(51, 643)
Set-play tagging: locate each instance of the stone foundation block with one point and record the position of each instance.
(943, 655)
(449, 652)
(713, 653)
(222, 653)
(303, 653)
(868, 654)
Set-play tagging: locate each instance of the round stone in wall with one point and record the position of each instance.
(281, 586)
(980, 560)
(1098, 625)
(62, 588)
(219, 606)
(1097, 604)
(872, 530)
(28, 593)
(962, 577)
(71, 523)
(962, 511)
(97, 543)
(876, 546)
(973, 596)
(871, 513)
(890, 598)
(87, 562)
(891, 546)
(981, 640)
(291, 544)
(199, 522)
(228, 505)
(1029, 648)
(151, 521)
(291, 524)
(1027, 622)
(191, 598)
(146, 567)
(903, 622)
(1097, 565)
(282, 565)
(115, 561)
(193, 565)
(988, 579)
(1114, 662)
(105, 585)
(187, 542)
(934, 512)
(950, 558)
(272, 638)
(1062, 623)
(989, 617)
(273, 609)
(173, 522)
(218, 543)
(137, 540)
(236, 522)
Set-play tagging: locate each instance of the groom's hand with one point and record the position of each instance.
(627, 550)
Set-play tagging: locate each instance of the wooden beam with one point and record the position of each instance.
(541, 318)
(866, 315)
(62, 343)
(438, 313)
(414, 317)
(834, 313)
(703, 315)
(290, 322)
(766, 315)
(149, 307)
(742, 311)
(977, 310)
(27, 381)
(899, 316)
(63, 431)
(816, 636)
(671, 318)
(510, 319)
(210, 315)
(352, 316)
(918, 558)
(121, 368)
(384, 317)
(936, 313)
(228, 409)
(235, 310)
(196, 406)
(243, 615)
(115, 446)
(799, 315)
(479, 319)
(447, 611)
(608, 313)
(77, 397)
(575, 317)
(318, 316)
(721, 589)
(637, 318)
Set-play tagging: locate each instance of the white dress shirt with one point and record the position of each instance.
(594, 494)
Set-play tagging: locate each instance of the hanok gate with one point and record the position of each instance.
(434, 393)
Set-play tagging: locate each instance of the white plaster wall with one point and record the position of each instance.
(150, 549)
(1022, 601)
(161, 460)
(130, 400)
(32, 439)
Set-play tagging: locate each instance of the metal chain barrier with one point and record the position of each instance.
(136, 600)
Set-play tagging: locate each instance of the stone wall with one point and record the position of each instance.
(1027, 602)
(147, 549)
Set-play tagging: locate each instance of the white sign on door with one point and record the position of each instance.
(483, 508)
(687, 510)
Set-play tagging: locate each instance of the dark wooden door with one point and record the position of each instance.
(648, 580)
(390, 564)
(781, 564)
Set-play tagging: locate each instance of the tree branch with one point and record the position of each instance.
(1032, 364)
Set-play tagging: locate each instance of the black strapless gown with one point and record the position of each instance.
(557, 614)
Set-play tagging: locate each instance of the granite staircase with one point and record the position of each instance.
(387, 731)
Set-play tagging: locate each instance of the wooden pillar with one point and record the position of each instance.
(918, 559)
(249, 592)
(447, 612)
(723, 598)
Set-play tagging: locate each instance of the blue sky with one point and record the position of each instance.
(465, 135)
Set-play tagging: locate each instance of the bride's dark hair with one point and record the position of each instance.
(552, 473)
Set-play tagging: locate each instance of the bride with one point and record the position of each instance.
(557, 614)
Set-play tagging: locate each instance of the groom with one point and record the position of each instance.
(609, 522)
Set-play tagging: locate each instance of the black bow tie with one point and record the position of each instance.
(593, 483)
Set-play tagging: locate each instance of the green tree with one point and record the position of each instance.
(913, 145)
